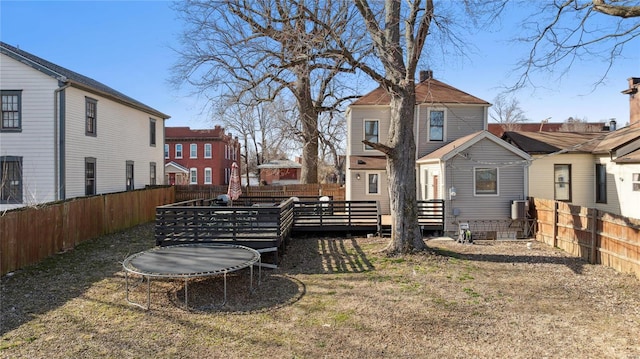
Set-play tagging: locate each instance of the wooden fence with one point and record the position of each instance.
(28, 235)
(596, 236)
(334, 191)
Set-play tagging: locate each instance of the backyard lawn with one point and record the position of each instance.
(330, 298)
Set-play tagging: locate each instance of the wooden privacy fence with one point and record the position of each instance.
(596, 236)
(316, 190)
(28, 235)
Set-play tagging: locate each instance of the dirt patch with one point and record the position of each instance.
(330, 298)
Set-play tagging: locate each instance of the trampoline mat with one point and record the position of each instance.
(191, 260)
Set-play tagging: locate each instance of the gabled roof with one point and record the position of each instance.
(73, 78)
(632, 157)
(454, 148)
(177, 166)
(427, 92)
(616, 139)
(550, 142)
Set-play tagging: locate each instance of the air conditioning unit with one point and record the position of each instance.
(519, 209)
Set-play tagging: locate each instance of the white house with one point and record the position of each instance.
(596, 170)
(65, 135)
(446, 121)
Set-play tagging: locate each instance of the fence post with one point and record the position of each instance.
(555, 224)
(594, 250)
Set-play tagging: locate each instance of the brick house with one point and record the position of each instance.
(199, 157)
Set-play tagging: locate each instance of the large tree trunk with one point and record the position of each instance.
(309, 119)
(406, 236)
(310, 147)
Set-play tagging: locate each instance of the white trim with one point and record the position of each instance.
(366, 178)
(181, 150)
(497, 194)
(364, 133)
(444, 124)
(193, 171)
(210, 150)
(167, 149)
(207, 170)
(191, 150)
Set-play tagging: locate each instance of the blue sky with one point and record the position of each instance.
(126, 45)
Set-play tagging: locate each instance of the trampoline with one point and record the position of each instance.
(188, 261)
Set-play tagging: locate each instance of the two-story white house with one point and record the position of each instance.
(65, 135)
(476, 173)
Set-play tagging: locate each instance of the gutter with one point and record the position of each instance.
(59, 138)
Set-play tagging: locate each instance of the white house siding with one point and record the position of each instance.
(427, 186)
(356, 128)
(541, 177)
(629, 199)
(122, 135)
(35, 143)
(615, 186)
(459, 121)
(459, 174)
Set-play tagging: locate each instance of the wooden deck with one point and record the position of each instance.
(266, 226)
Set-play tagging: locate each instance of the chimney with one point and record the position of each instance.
(634, 100)
(612, 124)
(426, 75)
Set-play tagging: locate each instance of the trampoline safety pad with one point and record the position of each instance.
(187, 261)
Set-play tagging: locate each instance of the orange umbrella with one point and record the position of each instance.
(235, 187)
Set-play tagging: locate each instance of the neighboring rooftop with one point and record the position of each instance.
(187, 133)
(429, 90)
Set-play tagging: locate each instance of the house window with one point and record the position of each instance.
(227, 175)
(635, 182)
(193, 151)
(207, 150)
(129, 174)
(373, 180)
(166, 151)
(193, 176)
(436, 126)
(152, 132)
(11, 177)
(601, 183)
(179, 150)
(91, 107)
(152, 173)
(371, 132)
(207, 175)
(11, 110)
(89, 176)
(226, 152)
(485, 181)
(562, 182)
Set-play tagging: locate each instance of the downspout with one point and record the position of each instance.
(59, 138)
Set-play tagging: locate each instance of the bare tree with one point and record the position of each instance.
(565, 31)
(269, 44)
(398, 31)
(260, 126)
(333, 144)
(506, 111)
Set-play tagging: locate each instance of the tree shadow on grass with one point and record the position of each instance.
(325, 256)
(576, 264)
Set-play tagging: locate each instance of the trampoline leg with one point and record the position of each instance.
(126, 276)
(225, 290)
(186, 294)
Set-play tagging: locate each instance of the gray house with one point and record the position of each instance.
(448, 125)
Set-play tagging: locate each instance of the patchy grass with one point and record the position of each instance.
(331, 298)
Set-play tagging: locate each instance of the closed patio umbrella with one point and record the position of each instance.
(235, 187)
